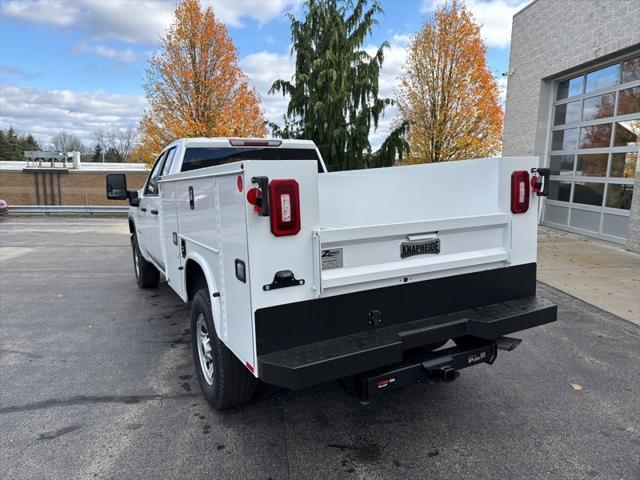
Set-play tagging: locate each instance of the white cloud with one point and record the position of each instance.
(140, 21)
(126, 55)
(40, 11)
(264, 68)
(232, 12)
(401, 39)
(494, 17)
(46, 112)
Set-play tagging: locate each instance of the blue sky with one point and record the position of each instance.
(78, 65)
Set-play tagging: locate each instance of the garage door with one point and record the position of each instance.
(593, 150)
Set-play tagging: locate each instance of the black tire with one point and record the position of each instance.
(231, 383)
(147, 275)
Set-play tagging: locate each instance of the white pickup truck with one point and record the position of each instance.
(297, 276)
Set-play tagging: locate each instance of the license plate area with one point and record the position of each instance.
(430, 246)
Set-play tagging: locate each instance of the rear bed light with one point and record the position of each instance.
(284, 200)
(520, 191)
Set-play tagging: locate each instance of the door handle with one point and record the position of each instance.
(143, 209)
(154, 212)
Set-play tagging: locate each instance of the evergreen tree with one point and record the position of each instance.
(112, 155)
(13, 146)
(3, 146)
(333, 96)
(29, 143)
(97, 153)
(10, 149)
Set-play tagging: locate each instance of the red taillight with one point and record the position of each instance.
(520, 191)
(284, 201)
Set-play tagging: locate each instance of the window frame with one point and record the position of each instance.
(159, 164)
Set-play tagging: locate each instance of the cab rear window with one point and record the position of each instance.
(201, 157)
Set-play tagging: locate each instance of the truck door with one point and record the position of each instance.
(155, 241)
(149, 223)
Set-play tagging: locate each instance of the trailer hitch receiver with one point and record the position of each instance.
(444, 374)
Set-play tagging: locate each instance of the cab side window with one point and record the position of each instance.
(152, 184)
(168, 162)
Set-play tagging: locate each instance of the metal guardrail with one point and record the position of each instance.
(53, 209)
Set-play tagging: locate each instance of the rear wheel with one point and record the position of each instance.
(224, 381)
(147, 275)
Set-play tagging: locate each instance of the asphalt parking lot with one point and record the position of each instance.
(97, 382)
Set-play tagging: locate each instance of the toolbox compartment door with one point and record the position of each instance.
(169, 238)
(350, 258)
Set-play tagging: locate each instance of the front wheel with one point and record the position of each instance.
(147, 275)
(224, 381)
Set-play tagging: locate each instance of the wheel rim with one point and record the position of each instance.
(204, 349)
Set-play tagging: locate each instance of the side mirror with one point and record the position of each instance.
(117, 189)
(117, 186)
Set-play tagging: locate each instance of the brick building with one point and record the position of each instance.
(573, 99)
(22, 185)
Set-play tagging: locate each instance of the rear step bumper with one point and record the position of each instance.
(307, 365)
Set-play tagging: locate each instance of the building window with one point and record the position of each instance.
(568, 113)
(595, 136)
(631, 69)
(619, 196)
(561, 164)
(603, 78)
(598, 107)
(593, 149)
(570, 88)
(593, 165)
(623, 165)
(629, 101)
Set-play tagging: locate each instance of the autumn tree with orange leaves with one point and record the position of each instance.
(194, 85)
(448, 96)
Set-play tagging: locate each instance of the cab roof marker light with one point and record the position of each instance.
(242, 142)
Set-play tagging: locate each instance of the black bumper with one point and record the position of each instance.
(306, 365)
